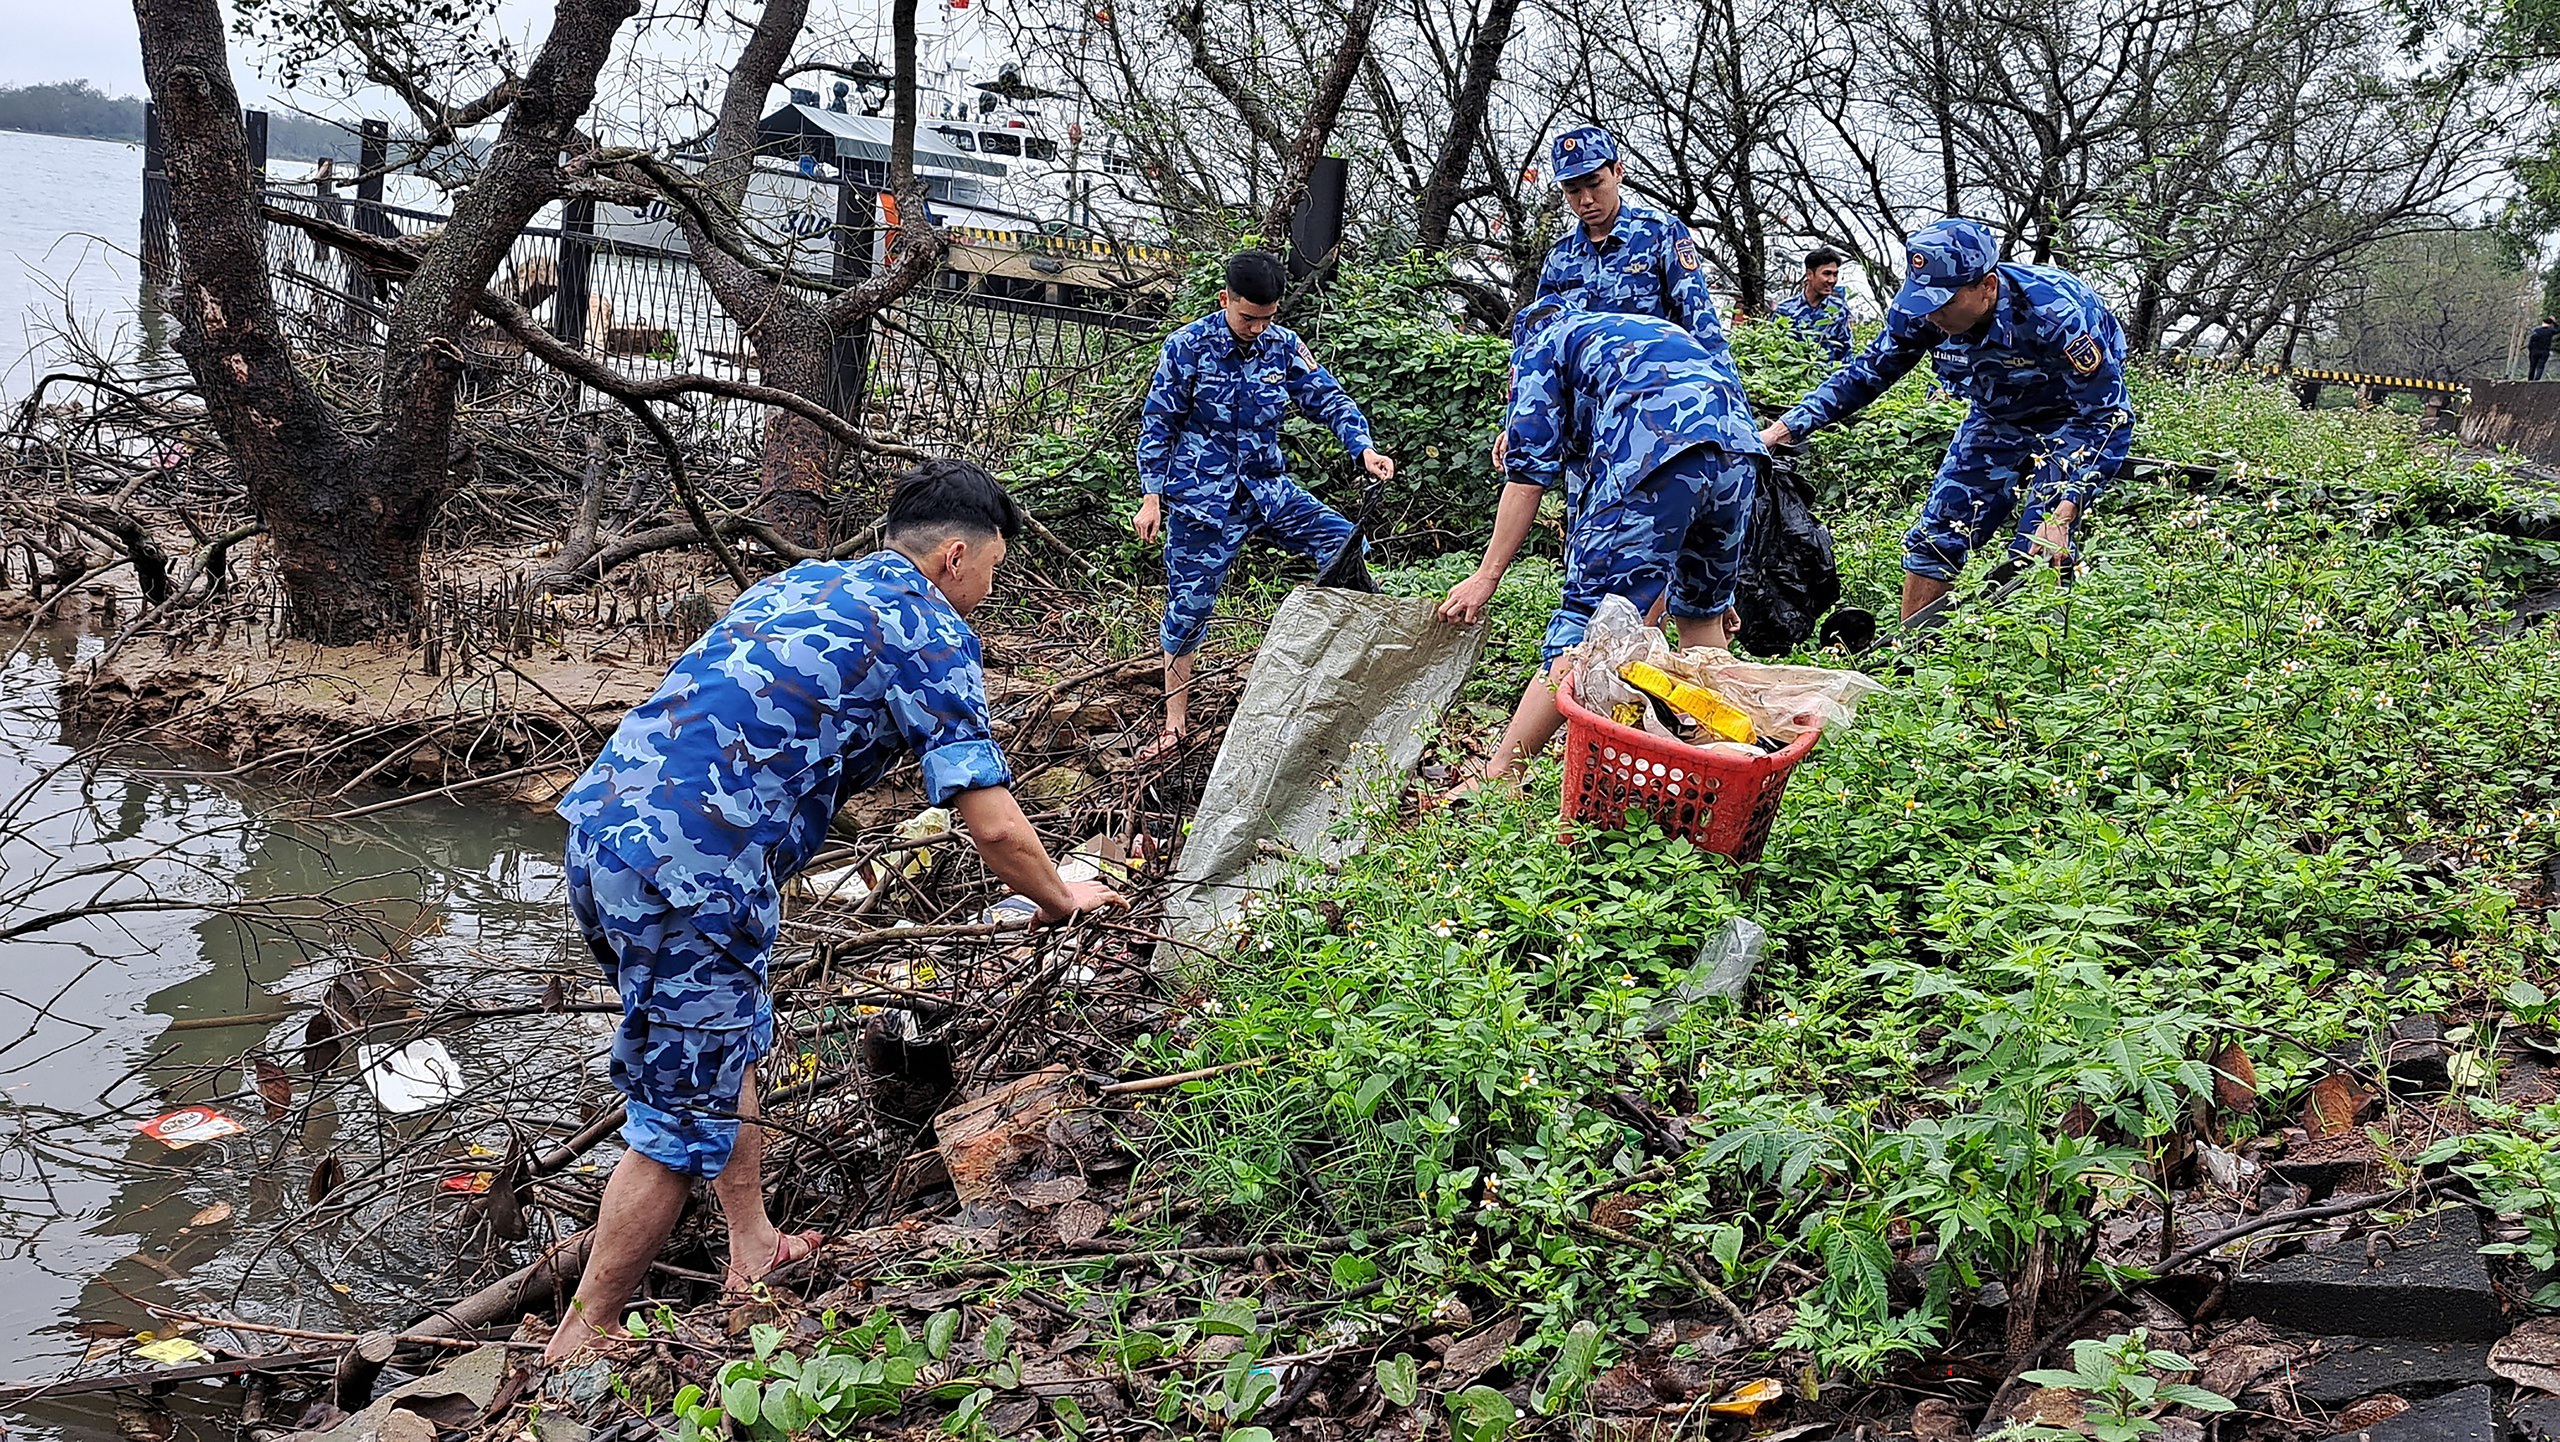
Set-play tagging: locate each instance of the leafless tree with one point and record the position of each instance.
(792, 324)
(347, 500)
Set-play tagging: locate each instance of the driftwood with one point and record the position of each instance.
(555, 1270)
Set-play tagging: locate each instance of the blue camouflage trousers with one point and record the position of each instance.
(1992, 472)
(1202, 543)
(695, 1014)
(1680, 528)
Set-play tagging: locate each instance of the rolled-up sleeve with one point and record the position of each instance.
(938, 701)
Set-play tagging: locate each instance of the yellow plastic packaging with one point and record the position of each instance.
(1695, 702)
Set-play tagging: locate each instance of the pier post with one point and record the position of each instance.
(157, 241)
(849, 370)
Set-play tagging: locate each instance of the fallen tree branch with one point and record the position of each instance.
(16, 1392)
(1724, 1302)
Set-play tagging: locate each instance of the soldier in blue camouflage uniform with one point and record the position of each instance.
(1658, 420)
(717, 789)
(1620, 257)
(2042, 360)
(1818, 311)
(1209, 449)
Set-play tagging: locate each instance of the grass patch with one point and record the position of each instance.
(2256, 778)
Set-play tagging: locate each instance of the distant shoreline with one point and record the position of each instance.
(72, 135)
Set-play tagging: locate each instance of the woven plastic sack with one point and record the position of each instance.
(1344, 691)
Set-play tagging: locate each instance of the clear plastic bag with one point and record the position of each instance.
(1617, 634)
(1783, 702)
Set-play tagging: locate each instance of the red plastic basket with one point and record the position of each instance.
(1723, 804)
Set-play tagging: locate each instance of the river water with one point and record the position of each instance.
(111, 1021)
(70, 217)
(104, 1026)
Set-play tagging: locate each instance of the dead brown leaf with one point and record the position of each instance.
(326, 1177)
(1081, 1221)
(2056, 1407)
(2371, 1412)
(275, 1086)
(2529, 1356)
(1475, 1354)
(2235, 1082)
(1938, 1420)
(212, 1216)
(2336, 1104)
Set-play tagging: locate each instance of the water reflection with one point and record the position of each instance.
(109, 1021)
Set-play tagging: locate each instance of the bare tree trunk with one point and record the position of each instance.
(1315, 131)
(794, 334)
(347, 516)
(291, 454)
(1440, 192)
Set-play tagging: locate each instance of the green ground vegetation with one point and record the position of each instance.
(2271, 774)
(2267, 774)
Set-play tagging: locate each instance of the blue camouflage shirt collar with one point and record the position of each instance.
(1631, 216)
(893, 568)
(1225, 334)
(2004, 328)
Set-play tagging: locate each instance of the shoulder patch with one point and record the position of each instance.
(2082, 351)
(1685, 250)
(1307, 357)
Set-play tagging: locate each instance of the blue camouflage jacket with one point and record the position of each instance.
(1619, 395)
(720, 786)
(2050, 359)
(1826, 325)
(1213, 413)
(1646, 265)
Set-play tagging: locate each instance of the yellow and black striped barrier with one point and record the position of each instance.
(1061, 244)
(2321, 376)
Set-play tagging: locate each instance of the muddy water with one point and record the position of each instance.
(108, 1022)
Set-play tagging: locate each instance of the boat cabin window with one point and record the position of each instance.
(960, 139)
(1039, 149)
(998, 142)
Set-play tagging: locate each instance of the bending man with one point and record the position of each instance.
(2042, 360)
(1209, 450)
(716, 790)
(1660, 424)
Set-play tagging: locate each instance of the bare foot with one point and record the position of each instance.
(1466, 790)
(577, 1340)
(788, 1247)
(1160, 747)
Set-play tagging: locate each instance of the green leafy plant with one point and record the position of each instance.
(2513, 1165)
(868, 1370)
(2124, 1387)
(2002, 907)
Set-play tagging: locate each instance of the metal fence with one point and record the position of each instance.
(947, 365)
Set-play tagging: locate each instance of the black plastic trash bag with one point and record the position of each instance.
(1789, 576)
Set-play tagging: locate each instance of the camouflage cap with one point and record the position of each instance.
(1946, 256)
(1582, 150)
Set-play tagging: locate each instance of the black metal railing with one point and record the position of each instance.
(947, 365)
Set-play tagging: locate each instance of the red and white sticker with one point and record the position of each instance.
(189, 1125)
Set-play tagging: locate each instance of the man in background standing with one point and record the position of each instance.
(2537, 347)
(1818, 311)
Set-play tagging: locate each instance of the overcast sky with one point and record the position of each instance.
(42, 40)
(70, 40)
